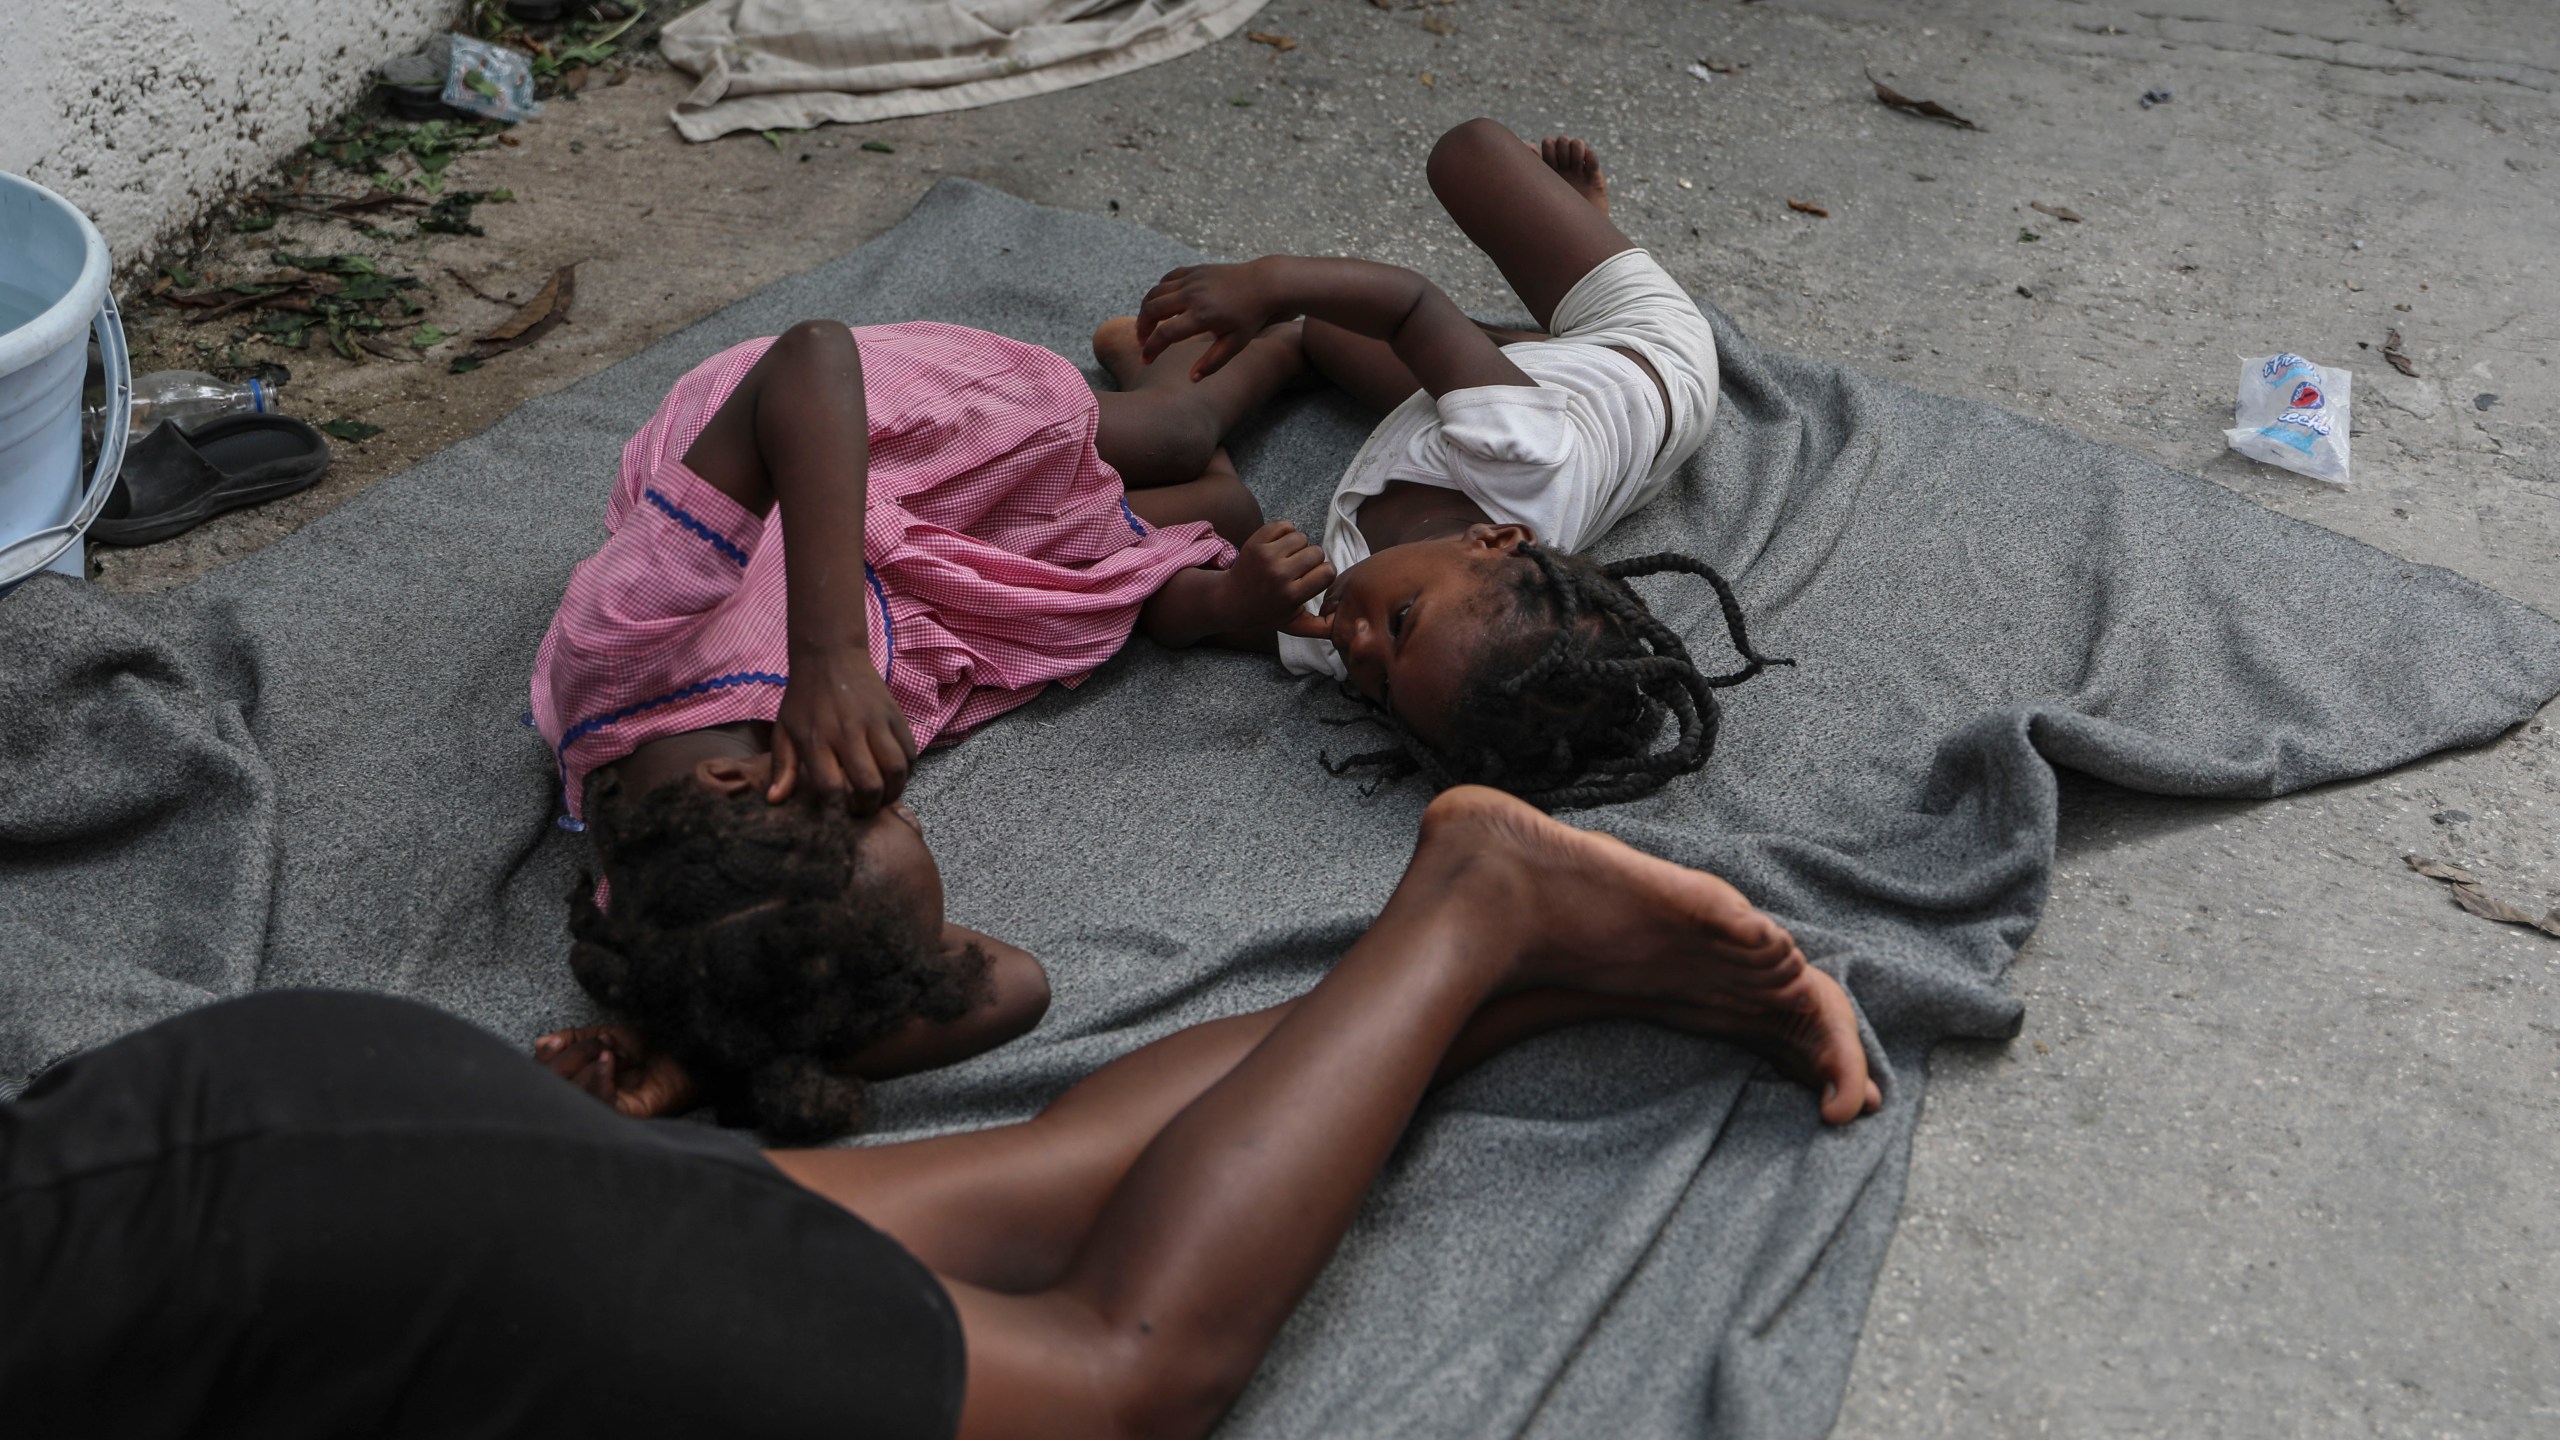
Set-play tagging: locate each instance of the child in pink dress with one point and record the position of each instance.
(735, 700)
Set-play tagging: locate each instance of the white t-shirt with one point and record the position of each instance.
(1568, 459)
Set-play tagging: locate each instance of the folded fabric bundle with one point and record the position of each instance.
(310, 768)
(793, 64)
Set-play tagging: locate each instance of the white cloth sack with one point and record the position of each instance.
(794, 64)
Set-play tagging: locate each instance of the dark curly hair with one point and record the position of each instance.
(753, 945)
(1564, 706)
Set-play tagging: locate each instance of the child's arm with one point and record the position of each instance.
(1020, 996)
(1443, 348)
(795, 436)
(1275, 573)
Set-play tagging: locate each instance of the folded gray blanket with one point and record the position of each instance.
(310, 769)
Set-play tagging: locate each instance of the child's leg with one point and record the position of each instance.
(1543, 230)
(1217, 495)
(1540, 213)
(1161, 427)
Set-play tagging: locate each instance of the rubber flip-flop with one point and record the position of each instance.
(413, 85)
(174, 480)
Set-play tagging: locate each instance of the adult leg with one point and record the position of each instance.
(1226, 1217)
(1161, 427)
(1006, 1208)
(1217, 495)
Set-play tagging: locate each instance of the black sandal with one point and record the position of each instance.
(174, 480)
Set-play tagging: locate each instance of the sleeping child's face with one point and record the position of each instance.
(1412, 621)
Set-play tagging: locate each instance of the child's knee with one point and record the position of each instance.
(815, 337)
(1464, 149)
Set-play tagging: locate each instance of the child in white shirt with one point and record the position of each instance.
(1495, 652)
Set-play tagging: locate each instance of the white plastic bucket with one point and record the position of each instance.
(53, 297)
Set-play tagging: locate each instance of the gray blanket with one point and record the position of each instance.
(309, 768)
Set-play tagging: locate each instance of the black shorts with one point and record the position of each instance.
(326, 1214)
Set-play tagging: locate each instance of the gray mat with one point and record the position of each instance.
(309, 769)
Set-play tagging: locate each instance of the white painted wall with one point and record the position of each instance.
(145, 113)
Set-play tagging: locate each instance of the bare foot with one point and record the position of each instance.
(1603, 917)
(1115, 344)
(1579, 165)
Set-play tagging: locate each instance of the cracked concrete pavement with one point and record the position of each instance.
(2278, 1152)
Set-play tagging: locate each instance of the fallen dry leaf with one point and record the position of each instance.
(2400, 362)
(2058, 212)
(2468, 894)
(295, 295)
(1277, 42)
(1808, 207)
(1930, 108)
(2489, 907)
(2438, 870)
(468, 284)
(341, 207)
(539, 316)
(1725, 67)
(1427, 78)
(1439, 24)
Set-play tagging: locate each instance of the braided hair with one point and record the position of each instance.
(1563, 710)
(755, 946)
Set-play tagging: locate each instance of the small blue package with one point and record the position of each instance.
(490, 80)
(2293, 413)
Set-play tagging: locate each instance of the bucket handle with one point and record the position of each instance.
(28, 554)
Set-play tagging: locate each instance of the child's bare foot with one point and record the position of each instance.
(1579, 165)
(1602, 917)
(1115, 344)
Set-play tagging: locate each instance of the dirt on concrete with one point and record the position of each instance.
(661, 233)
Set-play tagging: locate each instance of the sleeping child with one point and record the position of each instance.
(828, 550)
(1463, 612)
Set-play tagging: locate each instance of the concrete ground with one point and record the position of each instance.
(2279, 1150)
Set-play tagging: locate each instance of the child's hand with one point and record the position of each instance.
(1276, 572)
(612, 1063)
(839, 724)
(1227, 301)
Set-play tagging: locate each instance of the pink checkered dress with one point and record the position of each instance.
(1001, 553)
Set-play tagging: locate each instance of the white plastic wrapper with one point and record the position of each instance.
(2294, 414)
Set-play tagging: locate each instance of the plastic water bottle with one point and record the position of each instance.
(187, 397)
(191, 397)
